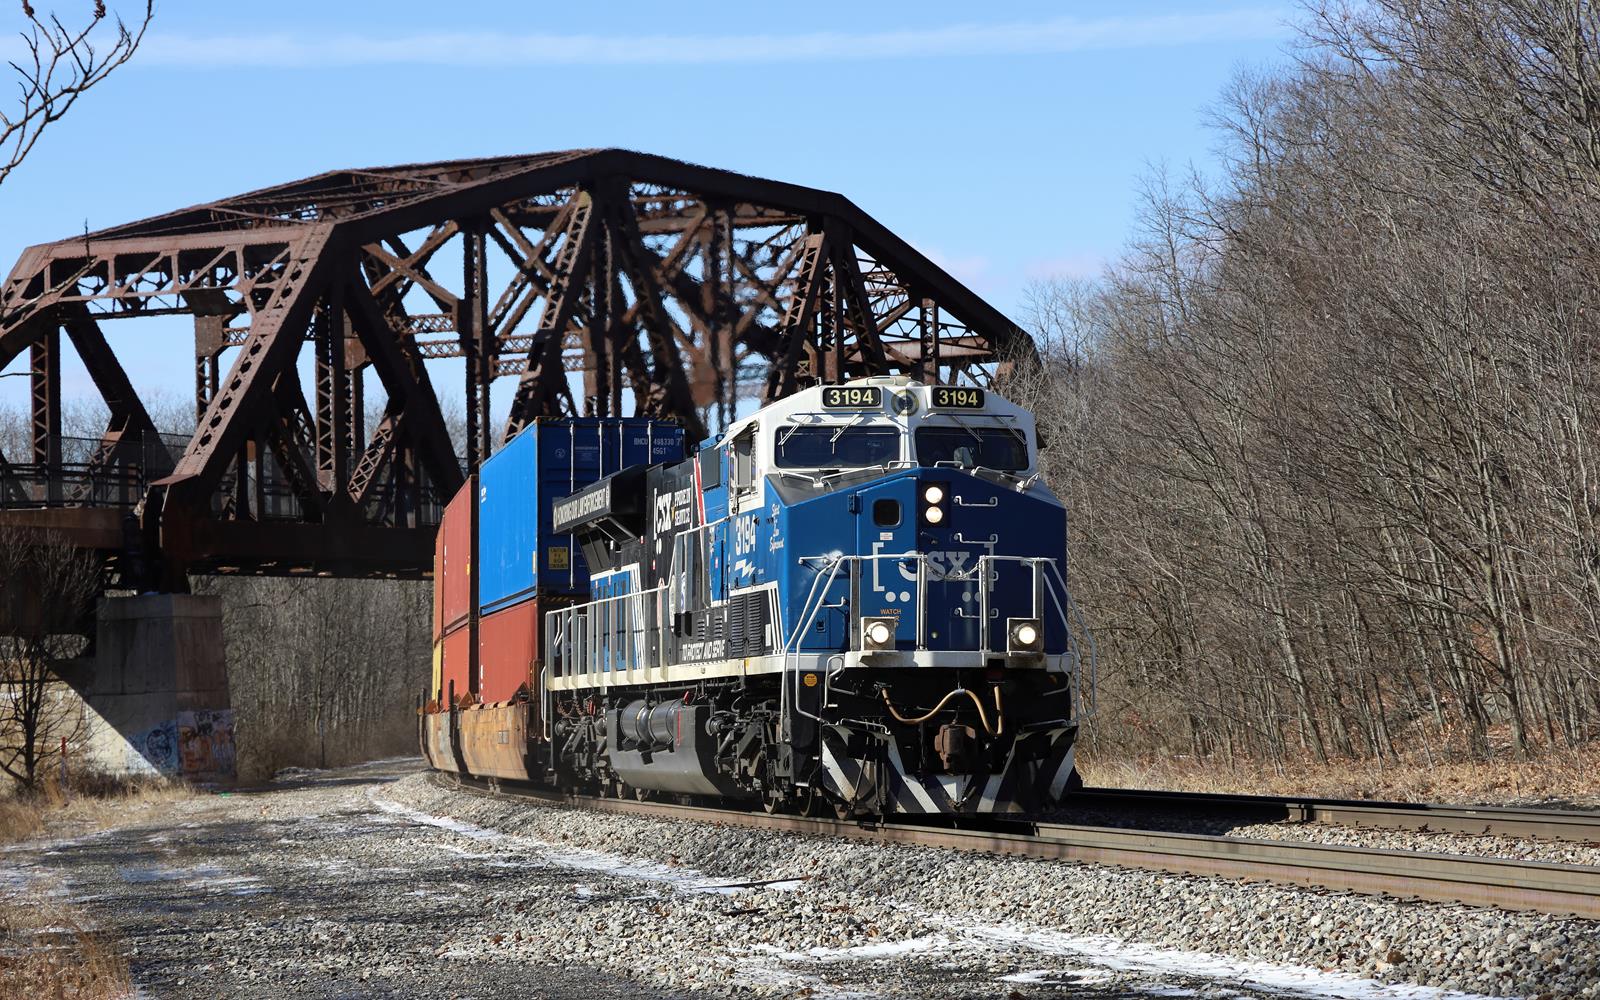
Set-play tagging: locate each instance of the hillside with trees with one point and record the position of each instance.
(1328, 430)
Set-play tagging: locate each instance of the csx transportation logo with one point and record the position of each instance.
(672, 510)
(943, 564)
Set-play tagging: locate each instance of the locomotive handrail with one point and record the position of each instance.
(575, 633)
(623, 639)
(808, 613)
(1076, 614)
(822, 481)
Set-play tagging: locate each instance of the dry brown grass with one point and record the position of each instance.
(1554, 777)
(47, 952)
(90, 802)
(21, 818)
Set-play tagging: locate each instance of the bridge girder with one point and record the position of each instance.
(660, 287)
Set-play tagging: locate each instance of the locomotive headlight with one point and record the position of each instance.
(1025, 636)
(935, 503)
(878, 633)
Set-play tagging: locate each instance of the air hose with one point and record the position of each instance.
(983, 716)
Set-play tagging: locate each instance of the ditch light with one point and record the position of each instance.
(878, 633)
(1024, 635)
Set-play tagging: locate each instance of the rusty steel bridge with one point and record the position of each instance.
(632, 284)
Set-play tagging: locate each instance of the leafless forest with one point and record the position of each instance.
(1328, 430)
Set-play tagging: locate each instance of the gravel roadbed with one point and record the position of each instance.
(856, 896)
(379, 881)
(1553, 851)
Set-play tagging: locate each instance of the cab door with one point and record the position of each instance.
(886, 527)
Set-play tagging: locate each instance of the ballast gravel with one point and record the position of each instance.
(859, 895)
(1552, 851)
(381, 881)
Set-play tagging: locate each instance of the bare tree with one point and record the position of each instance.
(47, 588)
(1331, 426)
(62, 64)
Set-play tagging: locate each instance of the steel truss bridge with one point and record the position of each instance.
(594, 282)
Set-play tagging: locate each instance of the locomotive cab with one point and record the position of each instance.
(857, 598)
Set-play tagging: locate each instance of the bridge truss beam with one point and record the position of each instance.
(599, 282)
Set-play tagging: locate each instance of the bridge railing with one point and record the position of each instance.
(92, 473)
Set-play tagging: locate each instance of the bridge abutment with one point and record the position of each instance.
(155, 692)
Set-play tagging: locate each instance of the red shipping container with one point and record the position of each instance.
(438, 585)
(508, 645)
(455, 663)
(511, 646)
(452, 568)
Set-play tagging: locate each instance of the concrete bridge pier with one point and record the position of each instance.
(155, 692)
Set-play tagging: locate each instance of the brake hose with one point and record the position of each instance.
(982, 715)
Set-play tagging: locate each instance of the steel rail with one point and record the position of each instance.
(1495, 821)
(1503, 883)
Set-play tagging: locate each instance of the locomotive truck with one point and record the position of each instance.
(855, 600)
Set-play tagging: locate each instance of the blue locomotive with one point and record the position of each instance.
(855, 600)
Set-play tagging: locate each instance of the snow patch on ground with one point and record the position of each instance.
(579, 859)
(205, 878)
(769, 965)
(428, 819)
(759, 975)
(861, 952)
(1124, 956)
(1059, 977)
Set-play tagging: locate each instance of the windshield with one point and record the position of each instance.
(837, 447)
(988, 447)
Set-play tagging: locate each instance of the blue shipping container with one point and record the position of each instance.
(554, 457)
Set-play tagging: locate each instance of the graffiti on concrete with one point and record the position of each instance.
(195, 744)
(205, 742)
(155, 749)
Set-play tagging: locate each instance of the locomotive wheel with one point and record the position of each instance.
(808, 801)
(773, 801)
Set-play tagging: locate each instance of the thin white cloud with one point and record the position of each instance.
(1057, 35)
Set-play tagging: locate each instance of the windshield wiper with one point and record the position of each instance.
(788, 432)
(966, 427)
(844, 427)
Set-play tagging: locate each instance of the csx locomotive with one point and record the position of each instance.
(855, 600)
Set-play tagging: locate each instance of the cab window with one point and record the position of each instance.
(743, 460)
(836, 447)
(971, 448)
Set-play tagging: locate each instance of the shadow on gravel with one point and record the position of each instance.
(1172, 822)
(299, 783)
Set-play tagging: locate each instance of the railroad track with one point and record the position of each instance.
(1494, 821)
(1504, 883)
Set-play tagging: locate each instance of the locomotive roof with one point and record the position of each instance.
(809, 401)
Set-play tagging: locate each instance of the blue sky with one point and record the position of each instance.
(1005, 141)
